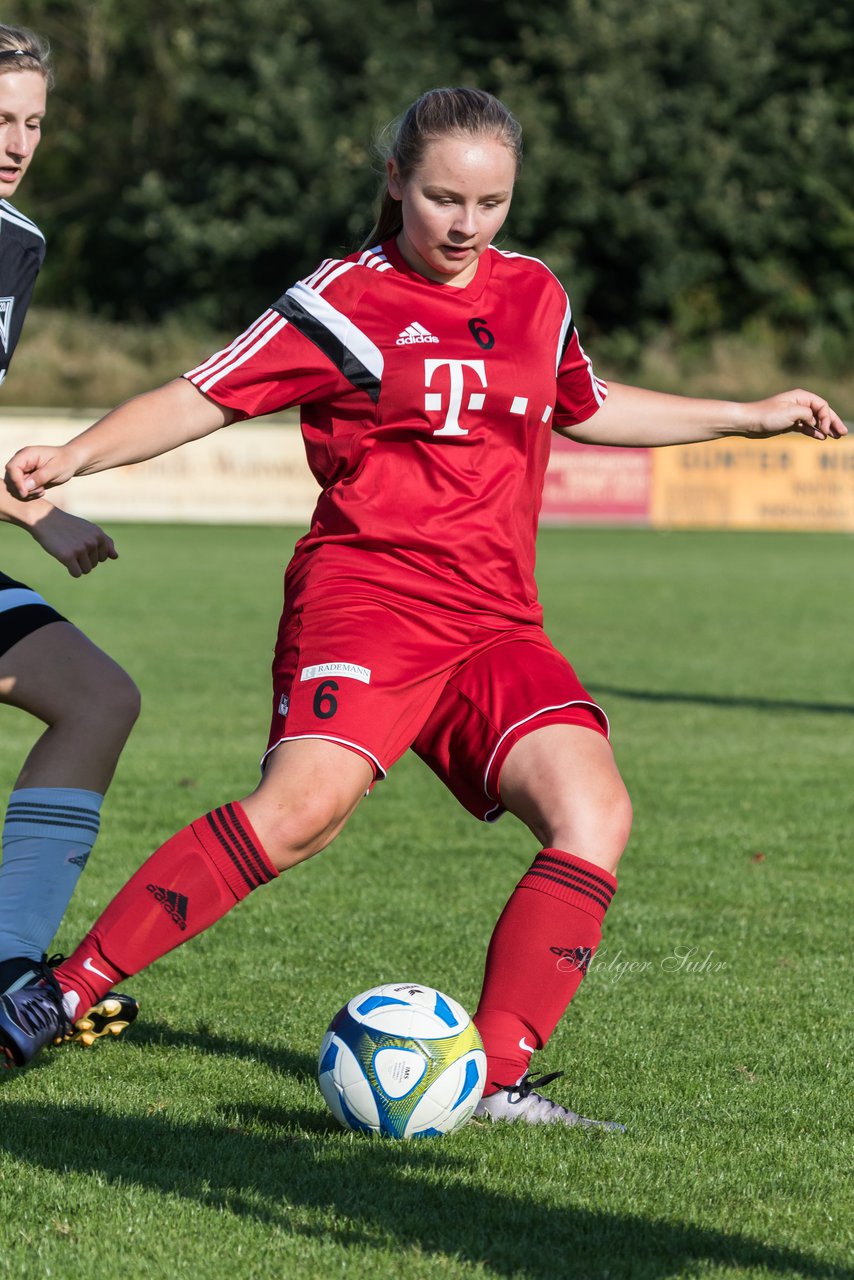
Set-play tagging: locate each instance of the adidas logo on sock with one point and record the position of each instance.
(415, 332)
(79, 861)
(174, 904)
(573, 958)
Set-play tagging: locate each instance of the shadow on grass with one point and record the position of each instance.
(203, 1040)
(725, 700)
(412, 1196)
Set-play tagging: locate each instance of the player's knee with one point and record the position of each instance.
(121, 698)
(94, 685)
(110, 698)
(619, 821)
(611, 817)
(304, 827)
(594, 825)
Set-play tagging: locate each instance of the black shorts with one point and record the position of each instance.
(22, 611)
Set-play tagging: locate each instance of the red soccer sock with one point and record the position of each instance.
(184, 887)
(540, 948)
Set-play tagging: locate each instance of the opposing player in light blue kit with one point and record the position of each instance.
(47, 667)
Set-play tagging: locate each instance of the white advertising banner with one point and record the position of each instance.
(249, 473)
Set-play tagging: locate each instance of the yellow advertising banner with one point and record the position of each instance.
(788, 482)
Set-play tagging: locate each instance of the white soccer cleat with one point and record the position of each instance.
(522, 1102)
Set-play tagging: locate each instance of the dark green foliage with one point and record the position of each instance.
(687, 165)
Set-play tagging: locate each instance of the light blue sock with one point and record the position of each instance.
(47, 838)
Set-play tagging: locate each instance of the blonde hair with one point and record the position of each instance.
(439, 113)
(22, 50)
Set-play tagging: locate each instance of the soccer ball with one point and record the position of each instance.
(402, 1060)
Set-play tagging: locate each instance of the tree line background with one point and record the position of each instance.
(688, 167)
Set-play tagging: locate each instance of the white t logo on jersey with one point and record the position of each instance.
(433, 399)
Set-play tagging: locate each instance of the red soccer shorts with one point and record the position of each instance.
(380, 677)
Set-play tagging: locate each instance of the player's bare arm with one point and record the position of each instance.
(141, 428)
(633, 417)
(78, 544)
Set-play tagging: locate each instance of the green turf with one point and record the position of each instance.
(715, 1022)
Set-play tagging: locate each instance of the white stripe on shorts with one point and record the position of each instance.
(328, 737)
(574, 702)
(17, 597)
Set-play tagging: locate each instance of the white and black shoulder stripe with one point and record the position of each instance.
(331, 330)
(12, 219)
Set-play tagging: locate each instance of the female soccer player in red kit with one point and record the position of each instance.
(431, 369)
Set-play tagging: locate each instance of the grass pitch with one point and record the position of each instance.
(713, 1021)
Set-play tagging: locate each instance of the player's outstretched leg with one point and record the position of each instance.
(204, 870)
(187, 884)
(562, 782)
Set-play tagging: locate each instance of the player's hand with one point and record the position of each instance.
(76, 543)
(796, 410)
(38, 467)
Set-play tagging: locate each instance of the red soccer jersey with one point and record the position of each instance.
(426, 412)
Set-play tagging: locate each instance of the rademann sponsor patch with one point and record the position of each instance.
(344, 670)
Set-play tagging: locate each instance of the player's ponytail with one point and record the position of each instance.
(22, 50)
(436, 114)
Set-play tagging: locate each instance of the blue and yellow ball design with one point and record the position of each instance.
(402, 1060)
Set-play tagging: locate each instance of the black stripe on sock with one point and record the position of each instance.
(571, 866)
(251, 849)
(210, 820)
(47, 822)
(238, 853)
(604, 903)
(73, 810)
(574, 880)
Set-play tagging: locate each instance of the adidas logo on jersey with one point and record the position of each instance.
(415, 332)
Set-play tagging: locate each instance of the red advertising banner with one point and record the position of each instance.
(591, 484)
